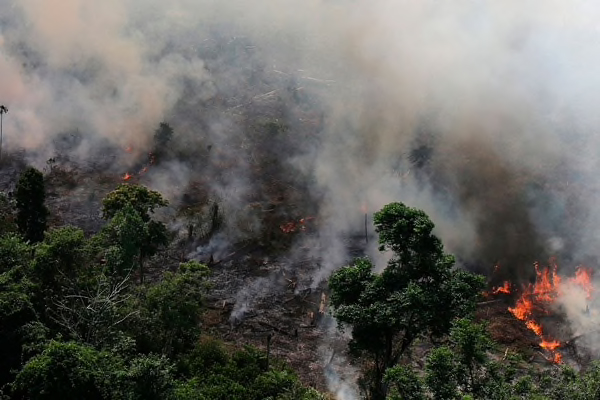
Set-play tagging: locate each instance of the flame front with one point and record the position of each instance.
(536, 299)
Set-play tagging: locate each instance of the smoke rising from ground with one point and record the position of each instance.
(481, 113)
(498, 97)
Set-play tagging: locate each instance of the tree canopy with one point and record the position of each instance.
(143, 200)
(74, 326)
(131, 226)
(419, 293)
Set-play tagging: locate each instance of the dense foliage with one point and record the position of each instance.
(131, 226)
(464, 368)
(75, 325)
(418, 294)
(421, 297)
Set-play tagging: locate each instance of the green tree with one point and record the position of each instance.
(218, 374)
(16, 310)
(405, 384)
(441, 374)
(168, 321)
(418, 293)
(66, 371)
(7, 214)
(150, 377)
(121, 241)
(13, 253)
(58, 258)
(143, 201)
(471, 345)
(32, 214)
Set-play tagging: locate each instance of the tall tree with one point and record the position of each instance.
(419, 293)
(142, 201)
(169, 315)
(16, 310)
(32, 213)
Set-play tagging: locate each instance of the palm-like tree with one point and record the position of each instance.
(3, 110)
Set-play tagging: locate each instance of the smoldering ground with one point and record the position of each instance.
(483, 114)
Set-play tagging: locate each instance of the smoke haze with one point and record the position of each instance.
(482, 113)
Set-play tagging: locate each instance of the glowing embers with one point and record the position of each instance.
(299, 226)
(143, 170)
(538, 298)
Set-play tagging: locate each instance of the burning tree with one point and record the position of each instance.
(419, 292)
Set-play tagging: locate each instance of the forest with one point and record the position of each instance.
(274, 199)
(80, 318)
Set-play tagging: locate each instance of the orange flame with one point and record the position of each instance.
(523, 310)
(557, 358)
(128, 176)
(546, 289)
(547, 284)
(535, 328)
(503, 289)
(550, 344)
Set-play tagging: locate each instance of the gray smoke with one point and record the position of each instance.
(481, 113)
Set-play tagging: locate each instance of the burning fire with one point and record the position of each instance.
(290, 227)
(536, 299)
(144, 169)
(503, 289)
